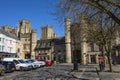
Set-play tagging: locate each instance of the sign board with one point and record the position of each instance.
(100, 59)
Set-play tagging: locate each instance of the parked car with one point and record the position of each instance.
(9, 66)
(2, 69)
(19, 63)
(34, 65)
(38, 62)
(48, 63)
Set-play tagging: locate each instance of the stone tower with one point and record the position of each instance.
(27, 36)
(47, 32)
(68, 40)
(33, 43)
(23, 27)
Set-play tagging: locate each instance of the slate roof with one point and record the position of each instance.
(8, 34)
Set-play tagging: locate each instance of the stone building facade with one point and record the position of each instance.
(28, 38)
(9, 29)
(50, 47)
(86, 52)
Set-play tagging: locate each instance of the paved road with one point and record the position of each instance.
(61, 72)
(56, 72)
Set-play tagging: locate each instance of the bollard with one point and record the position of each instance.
(75, 63)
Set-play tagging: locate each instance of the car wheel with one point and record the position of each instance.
(2, 73)
(32, 67)
(21, 68)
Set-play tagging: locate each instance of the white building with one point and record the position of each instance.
(7, 44)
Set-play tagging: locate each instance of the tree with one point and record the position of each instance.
(104, 35)
(104, 32)
(72, 8)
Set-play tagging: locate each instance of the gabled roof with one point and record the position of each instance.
(8, 34)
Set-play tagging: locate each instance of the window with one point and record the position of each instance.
(28, 39)
(0, 39)
(10, 49)
(91, 47)
(15, 61)
(3, 40)
(25, 39)
(48, 58)
(18, 50)
(2, 48)
(10, 41)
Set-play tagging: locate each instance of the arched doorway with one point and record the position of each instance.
(27, 56)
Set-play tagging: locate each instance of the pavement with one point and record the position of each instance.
(89, 72)
(65, 71)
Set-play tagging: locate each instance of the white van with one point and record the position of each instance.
(19, 63)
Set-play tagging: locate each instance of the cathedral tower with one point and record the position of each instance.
(28, 38)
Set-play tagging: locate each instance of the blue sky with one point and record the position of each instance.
(35, 11)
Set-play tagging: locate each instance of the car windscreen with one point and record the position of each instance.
(32, 60)
(21, 61)
(27, 61)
